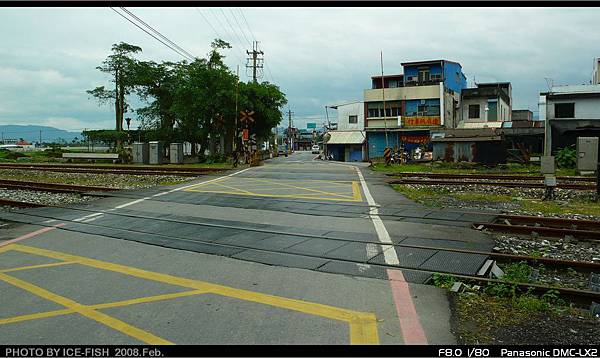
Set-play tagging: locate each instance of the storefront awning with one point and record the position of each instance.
(348, 137)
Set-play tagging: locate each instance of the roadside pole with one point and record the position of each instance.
(598, 182)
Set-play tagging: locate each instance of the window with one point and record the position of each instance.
(473, 111)
(392, 83)
(564, 110)
(352, 119)
(423, 75)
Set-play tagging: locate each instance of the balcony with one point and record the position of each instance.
(403, 93)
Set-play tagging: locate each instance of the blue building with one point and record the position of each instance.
(424, 97)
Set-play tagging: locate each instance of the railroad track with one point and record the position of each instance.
(113, 169)
(509, 184)
(51, 187)
(553, 227)
(489, 176)
(19, 204)
(582, 297)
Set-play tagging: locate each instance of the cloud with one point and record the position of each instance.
(317, 56)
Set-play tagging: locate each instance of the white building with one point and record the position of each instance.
(486, 106)
(347, 143)
(572, 111)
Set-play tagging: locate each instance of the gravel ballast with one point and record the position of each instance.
(119, 181)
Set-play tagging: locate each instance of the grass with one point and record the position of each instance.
(466, 168)
(42, 157)
(499, 305)
(438, 197)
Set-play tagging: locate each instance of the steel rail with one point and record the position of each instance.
(491, 183)
(575, 295)
(120, 167)
(20, 204)
(583, 265)
(112, 171)
(51, 187)
(488, 176)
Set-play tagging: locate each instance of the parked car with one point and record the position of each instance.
(316, 149)
(282, 150)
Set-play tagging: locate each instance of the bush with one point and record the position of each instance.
(567, 157)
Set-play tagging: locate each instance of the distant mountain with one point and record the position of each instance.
(31, 133)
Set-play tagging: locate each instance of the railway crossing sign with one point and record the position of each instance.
(387, 154)
(246, 116)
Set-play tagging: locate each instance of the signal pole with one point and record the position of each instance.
(291, 146)
(256, 62)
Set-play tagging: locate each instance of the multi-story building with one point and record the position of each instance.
(347, 142)
(571, 111)
(424, 97)
(486, 106)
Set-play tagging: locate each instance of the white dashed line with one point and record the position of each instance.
(389, 253)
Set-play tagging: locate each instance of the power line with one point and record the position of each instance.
(232, 29)
(156, 38)
(238, 24)
(246, 21)
(217, 33)
(158, 33)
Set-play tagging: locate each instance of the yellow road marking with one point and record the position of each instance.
(86, 311)
(230, 187)
(356, 191)
(134, 301)
(4, 248)
(363, 327)
(303, 196)
(29, 317)
(207, 183)
(301, 188)
(32, 267)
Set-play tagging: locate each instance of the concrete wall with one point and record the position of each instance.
(344, 111)
(413, 105)
(434, 69)
(503, 111)
(454, 77)
(585, 108)
(402, 93)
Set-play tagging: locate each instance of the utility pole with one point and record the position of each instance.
(235, 128)
(254, 61)
(383, 98)
(290, 143)
(40, 137)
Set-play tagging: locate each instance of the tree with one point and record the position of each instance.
(156, 84)
(122, 67)
(204, 99)
(266, 100)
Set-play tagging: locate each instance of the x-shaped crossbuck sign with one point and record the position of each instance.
(247, 116)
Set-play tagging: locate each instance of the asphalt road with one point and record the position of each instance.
(294, 251)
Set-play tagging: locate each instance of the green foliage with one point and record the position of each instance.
(517, 272)
(105, 135)
(566, 157)
(443, 281)
(11, 155)
(187, 101)
(55, 151)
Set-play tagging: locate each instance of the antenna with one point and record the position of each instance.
(549, 83)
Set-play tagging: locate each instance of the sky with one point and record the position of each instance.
(318, 56)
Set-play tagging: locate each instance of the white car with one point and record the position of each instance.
(316, 149)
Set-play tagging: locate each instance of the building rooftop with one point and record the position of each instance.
(387, 76)
(490, 84)
(573, 89)
(428, 62)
